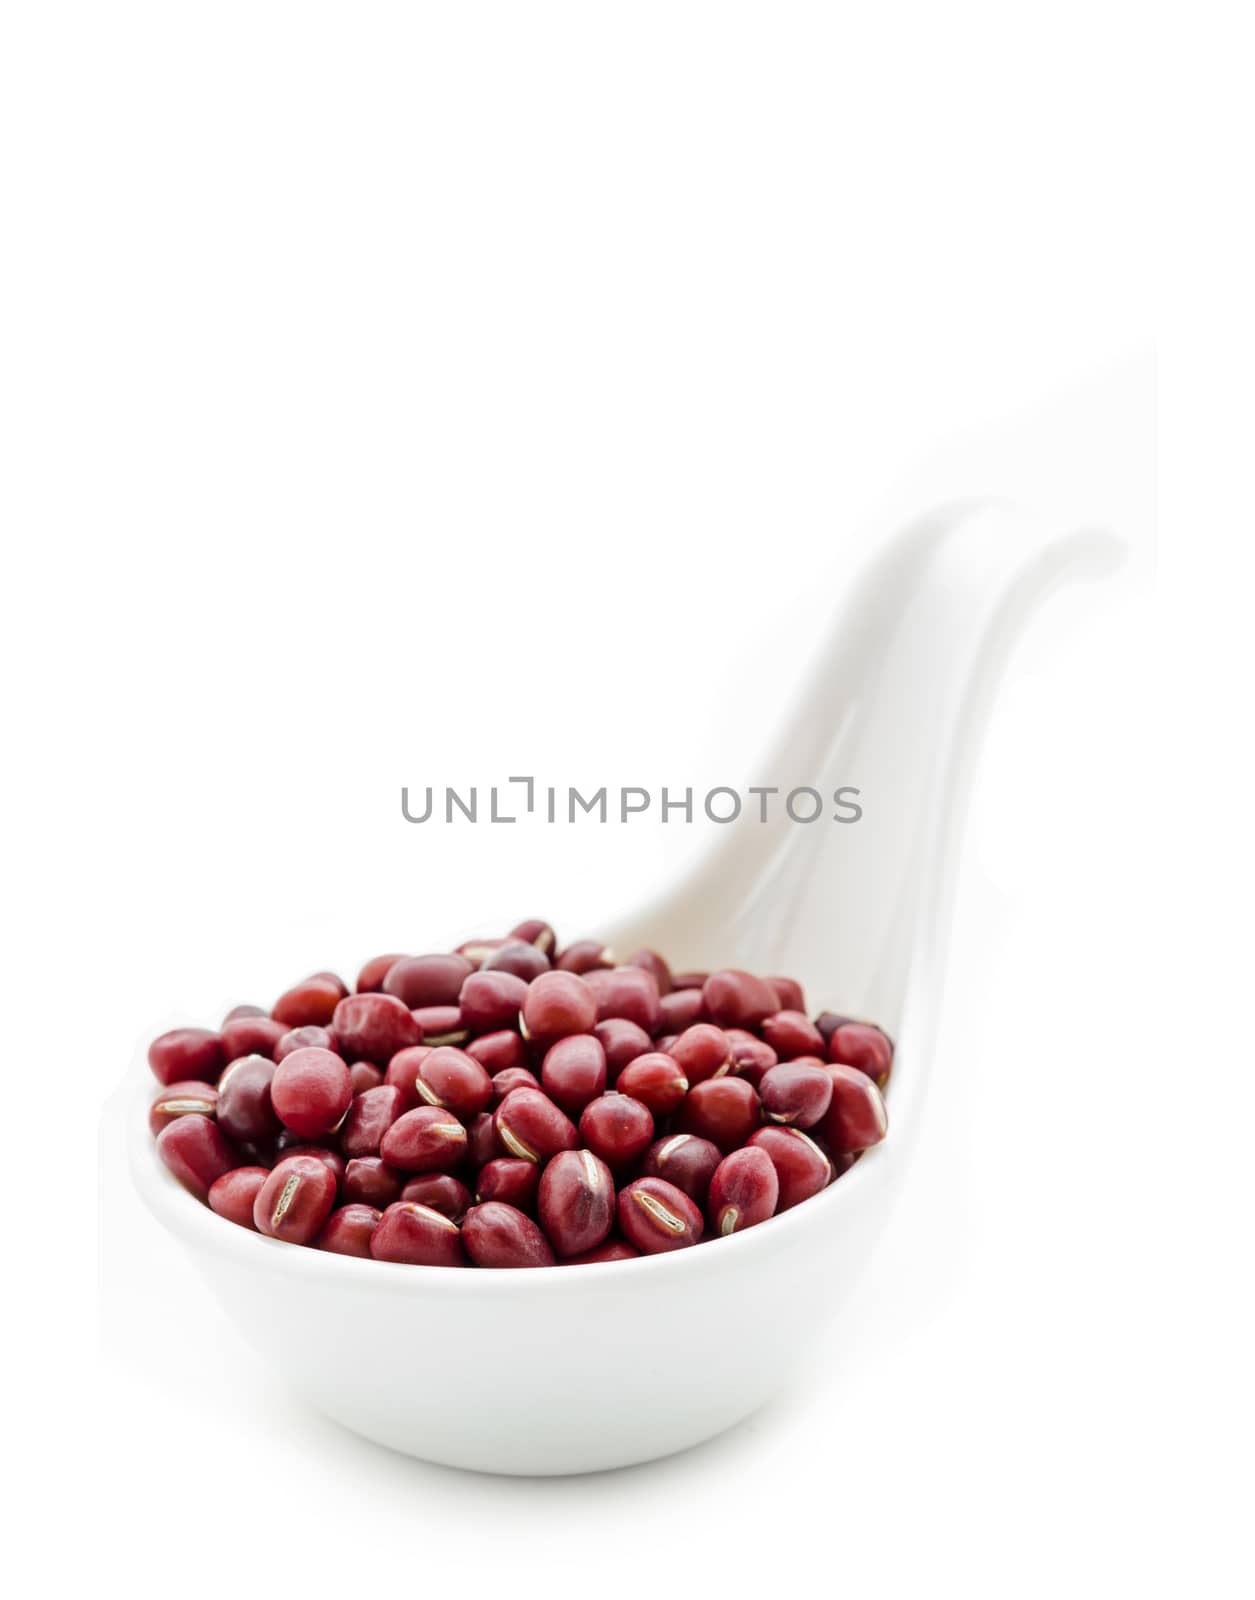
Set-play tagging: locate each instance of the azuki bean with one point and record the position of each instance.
(306, 1038)
(655, 1216)
(403, 1070)
(576, 1202)
(856, 1118)
(491, 1000)
(791, 1034)
(862, 1045)
(702, 1052)
(417, 1236)
(736, 999)
(250, 1036)
(451, 1078)
(370, 1116)
(681, 1009)
(370, 978)
(650, 961)
(511, 1179)
(538, 933)
(426, 1140)
(419, 981)
(574, 1072)
(482, 1142)
(373, 1027)
(311, 1090)
(310, 1004)
(530, 1126)
(442, 1192)
(801, 1166)
(684, 1160)
(622, 1041)
(365, 1075)
(627, 992)
(189, 1099)
(617, 1128)
(245, 1111)
(442, 1025)
(234, 1194)
(743, 1191)
(796, 1092)
(585, 955)
(558, 1004)
(295, 1200)
(370, 1181)
(512, 1078)
(498, 1052)
(724, 1110)
(288, 1144)
(496, 1235)
(612, 1250)
(523, 960)
(186, 1053)
(751, 1057)
(348, 1231)
(196, 1151)
(656, 1081)
(789, 994)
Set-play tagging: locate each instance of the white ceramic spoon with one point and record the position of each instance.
(579, 1369)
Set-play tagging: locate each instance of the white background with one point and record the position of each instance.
(406, 394)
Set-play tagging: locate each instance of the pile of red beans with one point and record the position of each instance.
(514, 1105)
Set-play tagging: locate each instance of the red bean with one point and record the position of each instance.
(370, 1181)
(650, 961)
(791, 1034)
(523, 960)
(689, 980)
(417, 1236)
(295, 1200)
(538, 933)
(856, 1118)
(310, 1004)
(496, 1235)
(370, 978)
(451, 1078)
(307, 1038)
(510, 1179)
(558, 1004)
(585, 955)
(311, 1090)
(186, 1053)
(477, 951)
(442, 1025)
(512, 1078)
(724, 1110)
(498, 1052)
(829, 1021)
(419, 981)
(743, 1191)
(789, 993)
(373, 1027)
(622, 1041)
(334, 979)
(196, 1151)
(627, 992)
(617, 1128)
(801, 1166)
(702, 1052)
(574, 1072)
(251, 1036)
(681, 1009)
(490, 1001)
(245, 1110)
(348, 1231)
(531, 1127)
(234, 1194)
(287, 1145)
(796, 1092)
(861, 1045)
(426, 1140)
(403, 1072)
(655, 1216)
(370, 1116)
(576, 1202)
(656, 1081)
(751, 1057)
(612, 1250)
(442, 1192)
(237, 1012)
(735, 999)
(189, 1099)
(365, 1075)
(482, 1143)
(684, 1160)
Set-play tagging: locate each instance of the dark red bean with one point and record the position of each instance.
(442, 1192)
(348, 1231)
(307, 1038)
(585, 955)
(403, 1072)
(751, 1056)
(724, 1110)
(735, 999)
(689, 980)
(187, 1053)
(419, 981)
(365, 1075)
(617, 1128)
(512, 1078)
(311, 1004)
(681, 1009)
(373, 1027)
(523, 960)
(622, 1041)
(251, 1036)
(788, 992)
(482, 1143)
(856, 1118)
(370, 1116)
(801, 1166)
(496, 1235)
(426, 1140)
(538, 933)
(574, 1072)
(829, 1021)
(861, 1045)
(510, 1179)
(311, 1090)
(498, 1052)
(684, 1160)
(334, 979)
(237, 1012)
(743, 1191)
(477, 951)
(370, 978)
(234, 1194)
(650, 961)
(656, 1081)
(196, 1151)
(295, 1200)
(370, 1181)
(189, 1099)
(557, 1004)
(491, 1001)
(576, 1202)
(655, 1216)
(417, 1236)
(702, 1052)
(245, 1111)
(451, 1078)
(288, 1145)
(531, 1127)
(612, 1250)
(796, 1092)
(442, 1025)
(628, 992)
(791, 1034)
